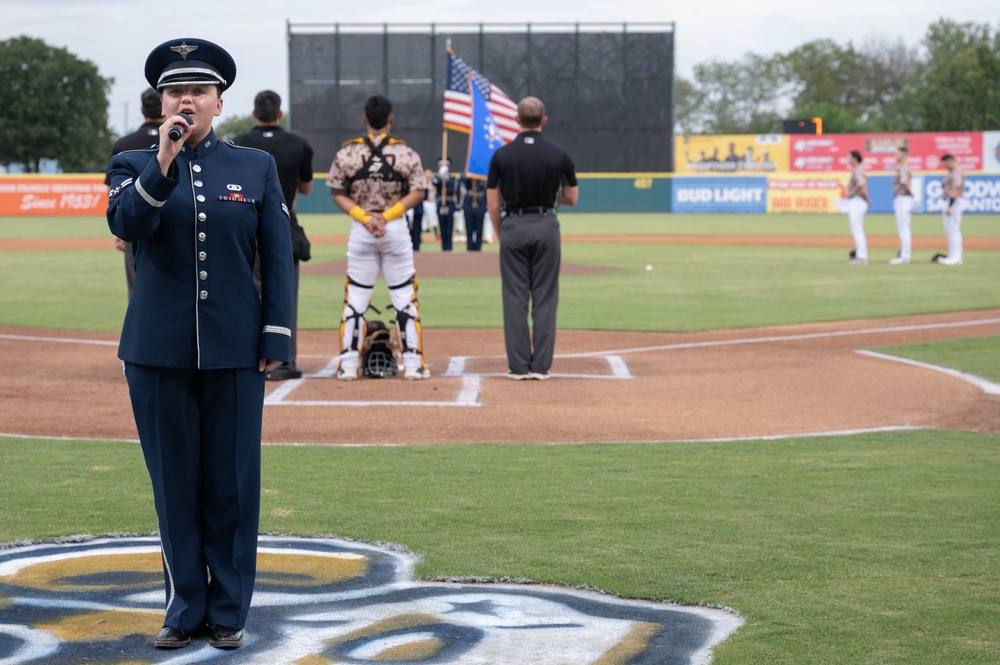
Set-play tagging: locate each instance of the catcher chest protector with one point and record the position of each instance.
(378, 357)
(377, 167)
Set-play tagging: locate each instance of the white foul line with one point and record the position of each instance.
(59, 340)
(783, 338)
(987, 387)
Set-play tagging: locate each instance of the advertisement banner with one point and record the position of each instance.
(982, 195)
(881, 194)
(991, 152)
(720, 194)
(53, 195)
(731, 154)
(829, 152)
(794, 192)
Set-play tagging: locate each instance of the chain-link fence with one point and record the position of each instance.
(608, 89)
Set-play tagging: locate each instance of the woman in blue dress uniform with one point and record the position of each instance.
(198, 337)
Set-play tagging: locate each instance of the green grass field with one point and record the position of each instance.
(689, 288)
(867, 549)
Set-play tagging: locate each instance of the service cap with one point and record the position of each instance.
(187, 61)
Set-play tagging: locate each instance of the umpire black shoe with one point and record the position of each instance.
(284, 372)
(172, 638)
(221, 637)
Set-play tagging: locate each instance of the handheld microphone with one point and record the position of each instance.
(178, 130)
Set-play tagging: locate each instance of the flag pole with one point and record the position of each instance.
(444, 130)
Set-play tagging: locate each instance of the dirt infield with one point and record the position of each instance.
(606, 387)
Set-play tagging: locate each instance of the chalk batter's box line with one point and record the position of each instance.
(468, 394)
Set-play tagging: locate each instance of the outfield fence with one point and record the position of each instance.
(25, 195)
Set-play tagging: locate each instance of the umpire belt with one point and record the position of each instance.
(537, 210)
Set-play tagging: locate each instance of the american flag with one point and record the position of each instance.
(458, 101)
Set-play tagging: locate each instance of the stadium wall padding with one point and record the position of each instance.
(85, 194)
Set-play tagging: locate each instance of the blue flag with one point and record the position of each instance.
(484, 137)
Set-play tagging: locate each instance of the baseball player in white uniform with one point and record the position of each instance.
(951, 190)
(375, 179)
(857, 206)
(902, 205)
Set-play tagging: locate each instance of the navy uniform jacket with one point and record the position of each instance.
(196, 232)
(447, 192)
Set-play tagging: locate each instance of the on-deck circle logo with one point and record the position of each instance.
(330, 601)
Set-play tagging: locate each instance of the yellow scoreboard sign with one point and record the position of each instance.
(731, 154)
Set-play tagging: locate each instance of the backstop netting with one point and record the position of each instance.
(608, 90)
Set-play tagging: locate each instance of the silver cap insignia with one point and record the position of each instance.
(184, 50)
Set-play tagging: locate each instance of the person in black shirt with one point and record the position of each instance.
(416, 220)
(147, 135)
(528, 178)
(293, 156)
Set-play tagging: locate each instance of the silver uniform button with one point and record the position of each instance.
(202, 256)
(201, 198)
(196, 168)
(203, 275)
(201, 236)
(202, 217)
(197, 183)
(203, 295)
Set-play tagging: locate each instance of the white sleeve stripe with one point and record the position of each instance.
(145, 195)
(278, 330)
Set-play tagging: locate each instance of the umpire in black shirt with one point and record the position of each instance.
(528, 178)
(147, 135)
(293, 156)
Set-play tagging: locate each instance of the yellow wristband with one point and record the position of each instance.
(395, 212)
(359, 215)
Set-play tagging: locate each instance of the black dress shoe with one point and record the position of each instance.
(172, 638)
(284, 372)
(221, 637)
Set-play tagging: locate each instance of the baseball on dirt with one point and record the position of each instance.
(649, 267)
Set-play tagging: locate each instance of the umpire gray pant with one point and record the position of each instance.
(530, 255)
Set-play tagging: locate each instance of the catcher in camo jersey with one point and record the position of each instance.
(375, 178)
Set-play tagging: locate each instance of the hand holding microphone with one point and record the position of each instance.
(169, 146)
(177, 131)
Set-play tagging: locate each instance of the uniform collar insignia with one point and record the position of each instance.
(184, 50)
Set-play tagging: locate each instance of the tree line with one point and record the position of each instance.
(55, 107)
(880, 85)
(57, 104)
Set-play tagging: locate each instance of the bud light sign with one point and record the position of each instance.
(720, 194)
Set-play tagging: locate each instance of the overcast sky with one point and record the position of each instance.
(117, 36)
